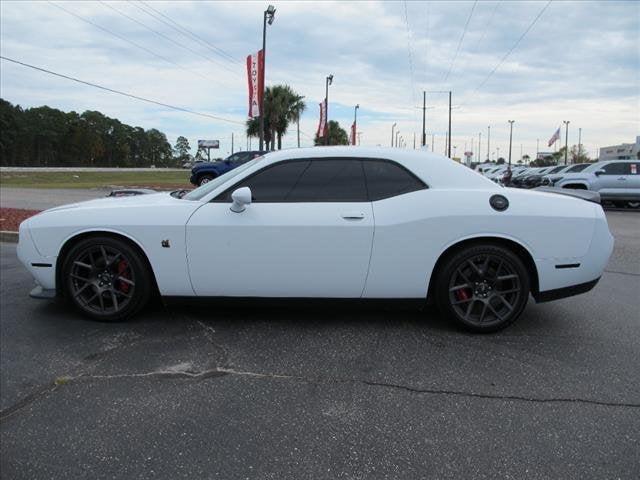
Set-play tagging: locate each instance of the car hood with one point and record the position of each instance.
(114, 202)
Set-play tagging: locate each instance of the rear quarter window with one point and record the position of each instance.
(387, 179)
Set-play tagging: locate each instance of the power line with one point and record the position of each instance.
(514, 46)
(487, 25)
(160, 34)
(130, 95)
(124, 39)
(203, 41)
(466, 26)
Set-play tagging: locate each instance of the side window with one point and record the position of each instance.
(578, 168)
(330, 180)
(616, 169)
(386, 179)
(270, 185)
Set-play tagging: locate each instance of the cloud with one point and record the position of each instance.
(579, 62)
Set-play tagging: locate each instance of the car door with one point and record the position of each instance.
(612, 182)
(307, 233)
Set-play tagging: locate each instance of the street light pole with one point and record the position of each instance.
(268, 17)
(397, 133)
(566, 141)
(355, 123)
(392, 129)
(479, 141)
(488, 141)
(579, 143)
(449, 123)
(424, 117)
(510, 139)
(328, 81)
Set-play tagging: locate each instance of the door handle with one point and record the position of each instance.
(352, 215)
(621, 178)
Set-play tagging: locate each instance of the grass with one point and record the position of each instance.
(81, 179)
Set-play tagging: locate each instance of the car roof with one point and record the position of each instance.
(434, 169)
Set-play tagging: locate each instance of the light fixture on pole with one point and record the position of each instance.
(269, 15)
(566, 141)
(510, 139)
(328, 81)
(392, 129)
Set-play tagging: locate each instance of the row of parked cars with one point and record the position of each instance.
(617, 181)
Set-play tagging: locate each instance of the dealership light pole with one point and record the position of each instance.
(510, 139)
(479, 141)
(329, 81)
(355, 123)
(397, 133)
(488, 141)
(392, 129)
(269, 15)
(566, 141)
(424, 118)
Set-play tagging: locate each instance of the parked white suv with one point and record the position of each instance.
(617, 181)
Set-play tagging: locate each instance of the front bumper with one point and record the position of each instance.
(41, 268)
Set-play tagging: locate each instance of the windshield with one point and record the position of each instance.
(200, 192)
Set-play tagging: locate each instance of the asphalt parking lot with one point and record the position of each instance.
(210, 392)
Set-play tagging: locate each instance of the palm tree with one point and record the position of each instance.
(281, 107)
(337, 135)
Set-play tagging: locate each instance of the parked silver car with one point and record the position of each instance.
(617, 181)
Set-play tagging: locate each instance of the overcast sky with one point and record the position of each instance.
(580, 61)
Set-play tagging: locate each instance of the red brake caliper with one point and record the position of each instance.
(122, 272)
(462, 294)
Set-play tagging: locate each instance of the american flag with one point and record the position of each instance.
(555, 137)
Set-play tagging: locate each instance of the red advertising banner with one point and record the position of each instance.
(254, 75)
(322, 126)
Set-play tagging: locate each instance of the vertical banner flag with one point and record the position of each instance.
(322, 126)
(353, 133)
(254, 74)
(555, 137)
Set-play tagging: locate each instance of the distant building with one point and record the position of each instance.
(624, 151)
(544, 155)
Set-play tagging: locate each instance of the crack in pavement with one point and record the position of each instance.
(222, 371)
(623, 273)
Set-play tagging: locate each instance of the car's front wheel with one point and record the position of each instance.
(484, 288)
(106, 278)
(204, 179)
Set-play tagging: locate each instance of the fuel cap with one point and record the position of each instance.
(499, 203)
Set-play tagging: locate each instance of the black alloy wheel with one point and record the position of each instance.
(483, 288)
(106, 279)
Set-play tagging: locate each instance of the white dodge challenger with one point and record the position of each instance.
(325, 223)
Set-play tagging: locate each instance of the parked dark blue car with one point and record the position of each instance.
(207, 171)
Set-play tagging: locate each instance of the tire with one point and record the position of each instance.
(483, 288)
(204, 179)
(106, 279)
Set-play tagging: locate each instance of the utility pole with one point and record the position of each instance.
(397, 133)
(449, 123)
(424, 117)
(231, 143)
(479, 141)
(510, 139)
(268, 17)
(566, 141)
(537, 147)
(392, 128)
(329, 81)
(488, 141)
(414, 140)
(579, 142)
(298, 126)
(433, 135)
(355, 123)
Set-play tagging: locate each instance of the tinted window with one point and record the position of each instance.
(578, 168)
(616, 169)
(330, 180)
(557, 169)
(387, 179)
(272, 184)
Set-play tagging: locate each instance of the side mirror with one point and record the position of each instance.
(599, 172)
(241, 198)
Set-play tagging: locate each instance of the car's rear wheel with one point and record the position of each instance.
(204, 179)
(106, 278)
(483, 288)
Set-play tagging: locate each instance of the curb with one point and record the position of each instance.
(11, 237)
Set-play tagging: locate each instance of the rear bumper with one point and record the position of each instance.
(564, 292)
